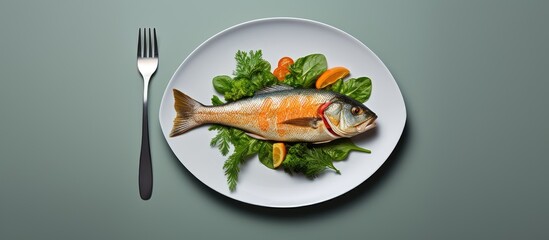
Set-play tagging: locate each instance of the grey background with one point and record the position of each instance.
(471, 163)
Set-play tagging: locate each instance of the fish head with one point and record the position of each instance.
(347, 117)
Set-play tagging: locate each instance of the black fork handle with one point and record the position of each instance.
(145, 165)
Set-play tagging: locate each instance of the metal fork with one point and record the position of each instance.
(147, 62)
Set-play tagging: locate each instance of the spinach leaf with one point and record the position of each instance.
(216, 101)
(306, 70)
(222, 83)
(340, 149)
(265, 154)
(359, 89)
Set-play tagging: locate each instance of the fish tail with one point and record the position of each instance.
(186, 108)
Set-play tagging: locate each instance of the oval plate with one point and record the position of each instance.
(278, 37)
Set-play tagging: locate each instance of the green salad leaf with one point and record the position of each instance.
(359, 89)
(216, 101)
(339, 149)
(222, 83)
(305, 70)
(265, 154)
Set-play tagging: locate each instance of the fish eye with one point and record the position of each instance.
(356, 111)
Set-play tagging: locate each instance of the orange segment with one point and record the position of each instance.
(331, 76)
(279, 153)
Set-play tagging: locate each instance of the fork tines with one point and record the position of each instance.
(147, 46)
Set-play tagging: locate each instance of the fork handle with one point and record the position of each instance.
(145, 165)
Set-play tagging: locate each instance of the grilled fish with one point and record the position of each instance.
(280, 114)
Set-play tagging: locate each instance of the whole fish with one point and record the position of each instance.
(280, 114)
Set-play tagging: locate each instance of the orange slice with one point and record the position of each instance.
(279, 153)
(331, 76)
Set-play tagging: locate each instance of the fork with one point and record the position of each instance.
(147, 63)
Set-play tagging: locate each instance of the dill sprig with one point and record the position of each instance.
(309, 161)
(242, 152)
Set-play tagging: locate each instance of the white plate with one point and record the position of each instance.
(278, 37)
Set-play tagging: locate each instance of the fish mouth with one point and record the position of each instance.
(369, 124)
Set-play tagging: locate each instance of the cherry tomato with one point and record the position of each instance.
(285, 62)
(280, 73)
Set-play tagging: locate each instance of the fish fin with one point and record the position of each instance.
(185, 107)
(304, 122)
(253, 135)
(273, 88)
(321, 142)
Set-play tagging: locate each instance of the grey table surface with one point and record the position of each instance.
(471, 162)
